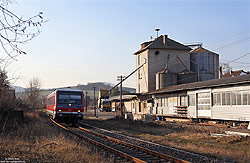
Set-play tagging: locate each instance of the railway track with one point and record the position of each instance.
(163, 149)
(130, 152)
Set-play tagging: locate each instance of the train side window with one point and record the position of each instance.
(233, 98)
(248, 98)
(239, 98)
(244, 98)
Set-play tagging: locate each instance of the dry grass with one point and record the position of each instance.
(36, 140)
(190, 137)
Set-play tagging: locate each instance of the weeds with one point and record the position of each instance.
(186, 136)
(36, 140)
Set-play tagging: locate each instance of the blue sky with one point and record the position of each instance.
(88, 41)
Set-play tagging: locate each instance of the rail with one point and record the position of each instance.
(146, 152)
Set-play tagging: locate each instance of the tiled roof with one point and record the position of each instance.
(204, 84)
(234, 73)
(158, 44)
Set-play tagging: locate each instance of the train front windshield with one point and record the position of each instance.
(69, 98)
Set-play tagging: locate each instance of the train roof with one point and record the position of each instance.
(65, 90)
(68, 90)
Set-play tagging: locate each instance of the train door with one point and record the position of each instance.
(203, 104)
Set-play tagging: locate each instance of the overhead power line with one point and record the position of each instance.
(239, 57)
(245, 39)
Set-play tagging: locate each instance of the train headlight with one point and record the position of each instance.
(60, 110)
(78, 111)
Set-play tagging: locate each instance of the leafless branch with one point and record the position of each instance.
(15, 30)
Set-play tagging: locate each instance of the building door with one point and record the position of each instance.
(203, 104)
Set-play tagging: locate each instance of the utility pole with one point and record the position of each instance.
(120, 78)
(86, 100)
(94, 102)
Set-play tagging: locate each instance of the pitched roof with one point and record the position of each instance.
(235, 73)
(201, 50)
(158, 43)
(204, 84)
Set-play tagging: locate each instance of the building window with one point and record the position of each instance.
(139, 60)
(139, 106)
(191, 100)
(140, 74)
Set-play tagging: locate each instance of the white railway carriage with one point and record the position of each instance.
(219, 99)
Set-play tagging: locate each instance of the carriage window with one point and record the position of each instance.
(228, 98)
(248, 98)
(238, 98)
(244, 97)
(233, 98)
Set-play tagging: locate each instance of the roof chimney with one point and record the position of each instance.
(165, 37)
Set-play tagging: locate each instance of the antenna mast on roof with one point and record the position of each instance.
(157, 30)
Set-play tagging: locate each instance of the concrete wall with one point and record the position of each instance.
(143, 81)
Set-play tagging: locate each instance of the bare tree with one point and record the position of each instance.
(225, 67)
(7, 95)
(16, 30)
(33, 93)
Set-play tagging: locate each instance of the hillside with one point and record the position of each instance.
(88, 87)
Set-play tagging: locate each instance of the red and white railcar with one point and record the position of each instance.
(66, 105)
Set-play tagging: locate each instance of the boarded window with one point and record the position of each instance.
(191, 100)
